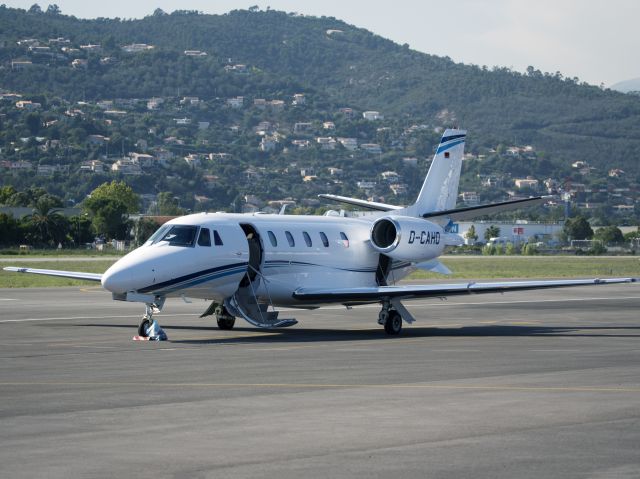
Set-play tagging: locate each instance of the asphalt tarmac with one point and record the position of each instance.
(539, 384)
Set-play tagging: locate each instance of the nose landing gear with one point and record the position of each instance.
(149, 327)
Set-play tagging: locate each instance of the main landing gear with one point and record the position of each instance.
(224, 319)
(390, 319)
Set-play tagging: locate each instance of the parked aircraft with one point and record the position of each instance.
(248, 264)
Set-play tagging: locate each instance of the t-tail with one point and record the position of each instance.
(439, 191)
(437, 198)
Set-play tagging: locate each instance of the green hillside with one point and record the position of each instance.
(335, 65)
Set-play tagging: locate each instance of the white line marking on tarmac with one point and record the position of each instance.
(8, 299)
(376, 306)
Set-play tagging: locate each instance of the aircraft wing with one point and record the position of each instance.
(372, 205)
(56, 272)
(469, 212)
(381, 293)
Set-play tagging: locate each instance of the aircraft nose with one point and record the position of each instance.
(116, 281)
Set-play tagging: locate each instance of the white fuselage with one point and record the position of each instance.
(294, 252)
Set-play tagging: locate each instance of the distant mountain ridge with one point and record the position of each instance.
(349, 66)
(627, 86)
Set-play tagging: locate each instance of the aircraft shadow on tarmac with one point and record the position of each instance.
(310, 335)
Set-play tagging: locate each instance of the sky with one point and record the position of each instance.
(596, 41)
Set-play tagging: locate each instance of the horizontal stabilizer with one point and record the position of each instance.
(469, 212)
(372, 205)
(58, 273)
(381, 293)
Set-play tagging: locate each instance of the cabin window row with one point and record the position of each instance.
(307, 239)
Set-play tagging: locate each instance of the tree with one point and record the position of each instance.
(168, 205)
(143, 229)
(108, 206)
(609, 234)
(46, 225)
(108, 217)
(53, 9)
(492, 231)
(33, 122)
(35, 8)
(118, 190)
(577, 228)
(471, 235)
(9, 230)
(6, 192)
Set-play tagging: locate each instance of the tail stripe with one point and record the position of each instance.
(451, 137)
(444, 147)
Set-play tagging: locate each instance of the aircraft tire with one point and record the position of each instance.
(226, 322)
(393, 324)
(142, 328)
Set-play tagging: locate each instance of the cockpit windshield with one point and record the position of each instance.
(175, 235)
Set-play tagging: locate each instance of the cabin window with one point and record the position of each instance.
(181, 235)
(272, 239)
(325, 240)
(205, 237)
(345, 240)
(307, 239)
(216, 238)
(290, 239)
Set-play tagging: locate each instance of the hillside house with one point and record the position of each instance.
(329, 125)
(390, 176)
(97, 140)
(194, 160)
(526, 183)
(127, 167)
(239, 68)
(146, 160)
(326, 143)
(276, 105)
(92, 166)
(301, 144)
(399, 189)
(260, 103)
(470, 198)
(298, 99)
(350, 144)
(80, 63)
(268, 143)
(91, 48)
(373, 148)
(137, 48)
(28, 105)
(236, 102)
(195, 53)
(372, 115)
(302, 126)
(154, 103)
(17, 65)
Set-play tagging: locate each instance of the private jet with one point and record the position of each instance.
(248, 265)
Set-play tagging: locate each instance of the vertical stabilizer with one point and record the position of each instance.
(440, 188)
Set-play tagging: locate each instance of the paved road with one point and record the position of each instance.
(527, 385)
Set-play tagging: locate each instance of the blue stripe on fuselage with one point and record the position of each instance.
(195, 278)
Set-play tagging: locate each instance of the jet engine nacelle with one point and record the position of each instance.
(404, 238)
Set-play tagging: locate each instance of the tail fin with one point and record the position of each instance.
(440, 188)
